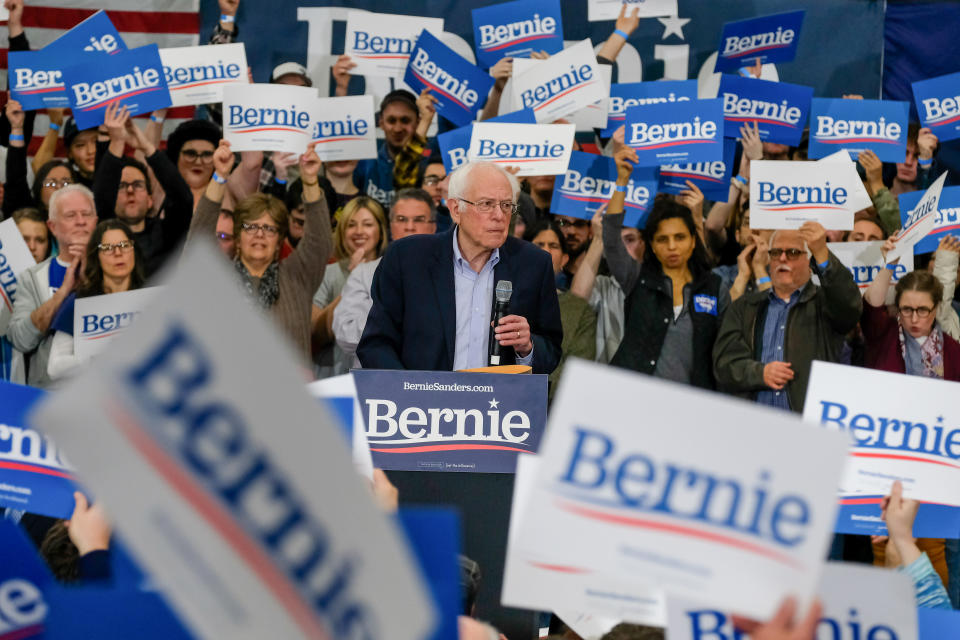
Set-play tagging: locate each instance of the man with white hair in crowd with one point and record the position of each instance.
(768, 339)
(42, 288)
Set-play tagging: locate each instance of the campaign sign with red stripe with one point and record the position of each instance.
(345, 128)
(785, 194)
(24, 579)
(772, 38)
(859, 514)
(34, 476)
(589, 182)
(379, 44)
(196, 75)
(455, 143)
(228, 481)
(268, 117)
(938, 104)
(900, 427)
(534, 149)
(698, 494)
(451, 421)
(93, 35)
(712, 178)
(36, 79)
(15, 256)
(677, 133)
(460, 87)
(856, 125)
(516, 29)
(778, 109)
(946, 221)
(133, 78)
(98, 320)
(562, 84)
(919, 222)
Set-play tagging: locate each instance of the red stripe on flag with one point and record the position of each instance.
(131, 21)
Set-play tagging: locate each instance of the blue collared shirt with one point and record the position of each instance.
(774, 334)
(474, 296)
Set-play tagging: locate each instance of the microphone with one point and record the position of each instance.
(501, 308)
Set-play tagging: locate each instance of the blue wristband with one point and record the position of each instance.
(924, 163)
(891, 267)
(823, 265)
(55, 126)
(621, 188)
(763, 280)
(623, 34)
(218, 178)
(16, 137)
(156, 119)
(225, 18)
(279, 181)
(741, 180)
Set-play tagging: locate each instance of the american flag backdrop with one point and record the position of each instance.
(167, 23)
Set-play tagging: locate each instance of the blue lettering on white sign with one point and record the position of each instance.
(455, 144)
(197, 75)
(373, 47)
(778, 109)
(676, 133)
(8, 281)
(242, 119)
(345, 130)
(771, 38)
(938, 104)
(96, 325)
(776, 197)
(856, 125)
(631, 94)
(946, 220)
(713, 625)
(516, 29)
(542, 95)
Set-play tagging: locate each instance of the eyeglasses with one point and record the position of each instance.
(297, 222)
(57, 184)
(488, 206)
(268, 229)
(792, 254)
(124, 246)
(429, 181)
(136, 185)
(224, 236)
(403, 220)
(192, 156)
(920, 312)
(576, 224)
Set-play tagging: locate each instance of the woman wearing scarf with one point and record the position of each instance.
(260, 226)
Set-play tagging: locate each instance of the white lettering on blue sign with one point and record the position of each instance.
(643, 135)
(829, 128)
(87, 94)
(705, 304)
(940, 110)
(27, 445)
(21, 605)
(209, 437)
(714, 169)
(576, 78)
(28, 81)
(241, 118)
(106, 43)
(430, 73)
(636, 480)
(788, 196)
(618, 105)
(783, 113)
(741, 46)
(575, 183)
(883, 432)
(177, 76)
(493, 37)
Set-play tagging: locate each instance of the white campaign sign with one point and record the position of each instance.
(531, 584)
(900, 427)
(380, 43)
(920, 222)
(342, 387)
(598, 10)
(702, 496)
(15, 256)
(593, 116)
(98, 320)
(197, 75)
(864, 261)
(536, 149)
(228, 482)
(268, 117)
(561, 85)
(784, 195)
(870, 602)
(345, 128)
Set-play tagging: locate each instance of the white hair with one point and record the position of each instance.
(460, 178)
(59, 194)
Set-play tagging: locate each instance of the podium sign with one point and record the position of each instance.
(449, 421)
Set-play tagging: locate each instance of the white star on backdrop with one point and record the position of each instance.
(673, 25)
(494, 403)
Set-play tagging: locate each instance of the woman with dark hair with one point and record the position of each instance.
(191, 147)
(113, 264)
(261, 224)
(674, 302)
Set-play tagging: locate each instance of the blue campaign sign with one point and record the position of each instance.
(589, 182)
(936, 624)
(24, 580)
(938, 104)
(676, 133)
(946, 220)
(110, 614)
(434, 537)
(36, 79)
(133, 78)
(515, 29)
(855, 125)
(455, 144)
(93, 35)
(34, 476)
(631, 94)
(771, 38)
(859, 514)
(450, 421)
(459, 86)
(712, 178)
(779, 109)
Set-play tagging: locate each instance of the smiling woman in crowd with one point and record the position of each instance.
(260, 226)
(113, 264)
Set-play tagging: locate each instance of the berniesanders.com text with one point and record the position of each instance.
(440, 386)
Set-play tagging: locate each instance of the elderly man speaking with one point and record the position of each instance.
(433, 294)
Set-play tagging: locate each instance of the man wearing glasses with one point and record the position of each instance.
(768, 339)
(433, 294)
(42, 288)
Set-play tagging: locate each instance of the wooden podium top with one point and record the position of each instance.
(505, 368)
